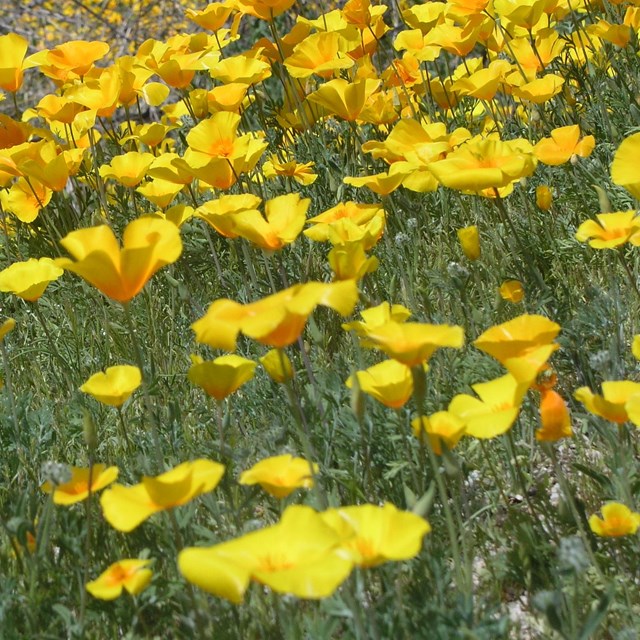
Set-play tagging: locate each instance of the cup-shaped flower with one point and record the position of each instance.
(413, 343)
(618, 520)
(470, 242)
(282, 223)
(349, 261)
(496, 410)
(544, 197)
(555, 420)
(127, 507)
(372, 535)
(277, 320)
(611, 230)
(219, 378)
(113, 386)
(131, 575)
(277, 365)
(344, 99)
(77, 489)
(523, 345)
(120, 273)
(562, 145)
(375, 317)
(359, 214)
(129, 168)
(612, 404)
(221, 212)
(6, 326)
(281, 475)
(13, 48)
(30, 278)
(263, 9)
(441, 428)
(301, 555)
(481, 164)
(512, 291)
(389, 382)
(624, 168)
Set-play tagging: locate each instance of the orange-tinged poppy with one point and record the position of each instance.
(113, 386)
(359, 214)
(375, 317)
(241, 69)
(617, 520)
(540, 90)
(77, 488)
(25, 199)
(544, 197)
(130, 575)
(223, 376)
(120, 273)
(555, 420)
(300, 555)
(300, 172)
(617, 396)
(125, 508)
(279, 476)
(283, 220)
(213, 16)
(29, 279)
(611, 230)
(277, 320)
(13, 49)
(70, 59)
(220, 213)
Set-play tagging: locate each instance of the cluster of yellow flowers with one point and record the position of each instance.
(204, 160)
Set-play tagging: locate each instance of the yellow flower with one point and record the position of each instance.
(344, 99)
(277, 320)
(611, 230)
(485, 164)
(113, 386)
(13, 48)
(120, 273)
(512, 291)
(282, 223)
(389, 382)
(219, 378)
(278, 365)
(523, 345)
(375, 317)
(281, 475)
(300, 555)
(624, 168)
(129, 574)
(129, 168)
(349, 261)
(555, 420)
(496, 410)
(544, 197)
(6, 326)
(612, 404)
(618, 520)
(319, 53)
(413, 343)
(373, 535)
(470, 242)
(77, 489)
(562, 145)
(127, 507)
(442, 427)
(30, 278)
